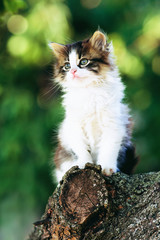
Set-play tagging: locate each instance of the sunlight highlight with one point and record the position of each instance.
(18, 45)
(17, 24)
(148, 41)
(128, 63)
(156, 65)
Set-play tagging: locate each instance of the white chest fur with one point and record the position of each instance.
(92, 110)
(94, 126)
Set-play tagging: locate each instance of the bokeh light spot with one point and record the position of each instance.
(17, 24)
(151, 26)
(128, 63)
(90, 3)
(18, 45)
(148, 41)
(156, 65)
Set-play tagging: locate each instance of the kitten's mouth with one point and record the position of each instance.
(76, 77)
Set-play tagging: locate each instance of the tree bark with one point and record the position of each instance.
(88, 205)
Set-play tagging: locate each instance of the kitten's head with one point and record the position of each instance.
(84, 63)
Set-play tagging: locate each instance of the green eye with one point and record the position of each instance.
(84, 62)
(67, 66)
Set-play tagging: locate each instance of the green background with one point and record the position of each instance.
(30, 105)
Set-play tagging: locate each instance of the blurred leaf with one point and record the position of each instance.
(14, 5)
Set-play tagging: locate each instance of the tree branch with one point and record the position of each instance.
(88, 205)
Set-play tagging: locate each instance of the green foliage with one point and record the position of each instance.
(28, 124)
(14, 6)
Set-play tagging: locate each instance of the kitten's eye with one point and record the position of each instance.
(67, 66)
(84, 62)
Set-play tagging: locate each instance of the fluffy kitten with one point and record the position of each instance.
(96, 127)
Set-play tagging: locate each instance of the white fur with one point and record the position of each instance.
(73, 59)
(95, 118)
(86, 78)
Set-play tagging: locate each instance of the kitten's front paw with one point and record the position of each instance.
(109, 171)
(82, 164)
(81, 161)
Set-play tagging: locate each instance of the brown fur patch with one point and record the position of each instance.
(61, 155)
(94, 49)
(92, 53)
(59, 49)
(98, 41)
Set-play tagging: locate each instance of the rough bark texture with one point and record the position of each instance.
(90, 206)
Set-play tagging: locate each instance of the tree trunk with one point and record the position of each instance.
(87, 205)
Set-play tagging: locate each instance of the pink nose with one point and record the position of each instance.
(73, 71)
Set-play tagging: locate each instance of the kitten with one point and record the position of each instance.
(97, 126)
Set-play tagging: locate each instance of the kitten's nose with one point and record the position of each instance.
(73, 70)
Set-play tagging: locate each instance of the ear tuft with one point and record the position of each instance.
(98, 41)
(58, 49)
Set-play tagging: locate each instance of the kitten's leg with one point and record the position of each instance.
(109, 149)
(73, 139)
(63, 161)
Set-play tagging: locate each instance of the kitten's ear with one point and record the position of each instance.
(98, 41)
(58, 49)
